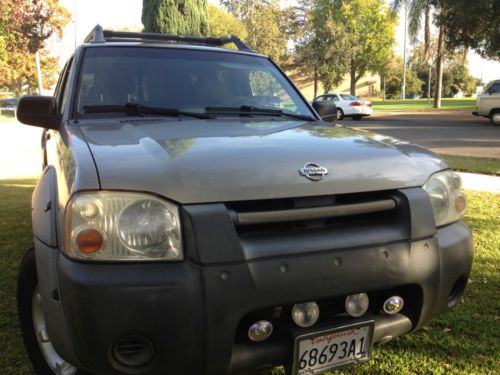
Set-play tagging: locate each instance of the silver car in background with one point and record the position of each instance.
(348, 105)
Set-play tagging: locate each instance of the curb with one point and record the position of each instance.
(480, 182)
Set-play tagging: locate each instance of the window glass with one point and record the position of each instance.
(189, 80)
(495, 88)
(348, 97)
(60, 92)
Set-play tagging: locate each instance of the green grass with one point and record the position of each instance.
(15, 237)
(472, 164)
(4, 118)
(465, 341)
(468, 104)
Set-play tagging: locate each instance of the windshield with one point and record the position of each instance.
(182, 79)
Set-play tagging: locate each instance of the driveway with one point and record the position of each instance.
(20, 154)
(446, 132)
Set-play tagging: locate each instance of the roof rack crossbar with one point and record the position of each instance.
(98, 35)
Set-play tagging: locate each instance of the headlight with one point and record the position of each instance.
(122, 226)
(448, 203)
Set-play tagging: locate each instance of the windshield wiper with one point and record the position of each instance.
(133, 109)
(251, 110)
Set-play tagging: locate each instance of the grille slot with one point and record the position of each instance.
(312, 213)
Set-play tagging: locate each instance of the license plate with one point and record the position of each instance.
(318, 352)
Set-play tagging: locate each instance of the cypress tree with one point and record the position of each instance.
(176, 17)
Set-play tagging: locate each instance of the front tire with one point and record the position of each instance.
(41, 353)
(340, 114)
(495, 117)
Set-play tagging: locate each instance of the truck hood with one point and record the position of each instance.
(199, 161)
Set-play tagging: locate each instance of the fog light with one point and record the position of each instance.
(357, 304)
(305, 314)
(393, 305)
(260, 330)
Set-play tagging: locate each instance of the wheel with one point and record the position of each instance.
(357, 118)
(41, 353)
(340, 113)
(495, 117)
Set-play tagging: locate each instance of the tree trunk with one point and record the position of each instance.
(384, 87)
(38, 73)
(353, 78)
(465, 56)
(427, 30)
(315, 82)
(439, 69)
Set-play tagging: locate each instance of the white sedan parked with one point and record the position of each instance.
(348, 105)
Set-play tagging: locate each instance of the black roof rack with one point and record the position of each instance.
(98, 35)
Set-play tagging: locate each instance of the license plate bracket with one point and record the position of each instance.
(321, 351)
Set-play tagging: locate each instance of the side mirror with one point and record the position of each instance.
(38, 111)
(326, 109)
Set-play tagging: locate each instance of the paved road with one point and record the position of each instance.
(457, 133)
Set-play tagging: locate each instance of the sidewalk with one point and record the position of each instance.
(446, 113)
(480, 182)
(20, 150)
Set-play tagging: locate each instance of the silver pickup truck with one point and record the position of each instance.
(196, 215)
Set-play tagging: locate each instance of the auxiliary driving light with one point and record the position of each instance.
(357, 304)
(261, 330)
(393, 305)
(305, 314)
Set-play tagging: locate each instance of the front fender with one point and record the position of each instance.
(44, 219)
(44, 208)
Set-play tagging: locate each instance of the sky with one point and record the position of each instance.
(127, 13)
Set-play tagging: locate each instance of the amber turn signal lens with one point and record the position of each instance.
(460, 204)
(89, 241)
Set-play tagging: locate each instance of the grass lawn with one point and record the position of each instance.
(465, 341)
(468, 104)
(15, 237)
(471, 164)
(6, 118)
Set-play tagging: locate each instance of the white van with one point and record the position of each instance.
(488, 102)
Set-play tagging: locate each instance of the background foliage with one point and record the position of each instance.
(221, 23)
(344, 38)
(25, 27)
(184, 17)
(266, 24)
(472, 24)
